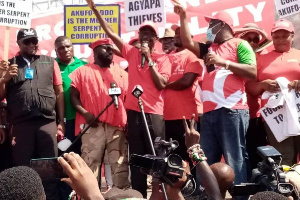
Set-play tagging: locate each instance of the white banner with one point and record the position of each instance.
(15, 13)
(137, 11)
(286, 8)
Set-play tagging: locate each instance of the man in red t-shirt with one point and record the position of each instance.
(229, 63)
(152, 76)
(89, 96)
(180, 93)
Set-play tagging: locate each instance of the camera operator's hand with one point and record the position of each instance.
(174, 192)
(81, 177)
(191, 135)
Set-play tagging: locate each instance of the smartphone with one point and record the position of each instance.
(244, 189)
(48, 168)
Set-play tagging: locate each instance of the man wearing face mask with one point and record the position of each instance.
(167, 41)
(32, 86)
(89, 96)
(150, 70)
(226, 115)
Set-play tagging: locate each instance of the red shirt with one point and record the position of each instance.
(57, 79)
(222, 88)
(152, 97)
(274, 64)
(93, 83)
(179, 103)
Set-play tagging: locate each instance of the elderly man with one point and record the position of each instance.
(89, 96)
(167, 41)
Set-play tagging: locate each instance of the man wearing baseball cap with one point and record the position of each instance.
(230, 61)
(283, 61)
(89, 96)
(150, 70)
(32, 92)
(167, 41)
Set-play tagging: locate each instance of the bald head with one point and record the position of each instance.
(224, 175)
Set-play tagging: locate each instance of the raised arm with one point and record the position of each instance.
(7, 72)
(106, 27)
(192, 138)
(186, 37)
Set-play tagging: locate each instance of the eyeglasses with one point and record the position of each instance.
(29, 41)
(254, 40)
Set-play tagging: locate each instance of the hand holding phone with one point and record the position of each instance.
(48, 168)
(80, 177)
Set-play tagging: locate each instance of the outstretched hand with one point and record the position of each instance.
(91, 4)
(192, 136)
(81, 177)
(178, 8)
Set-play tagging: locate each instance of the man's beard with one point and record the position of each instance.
(105, 60)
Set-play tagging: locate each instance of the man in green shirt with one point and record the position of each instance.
(67, 64)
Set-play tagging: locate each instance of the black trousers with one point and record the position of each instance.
(35, 138)
(140, 144)
(256, 136)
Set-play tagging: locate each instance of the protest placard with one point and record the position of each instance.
(82, 26)
(15, 13)
(286, 8)
(136, 12)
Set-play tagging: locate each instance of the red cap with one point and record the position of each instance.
(283, 24)
(149, 24)
(99, 42)
(222, 16)
(174, 27)
(133, 40)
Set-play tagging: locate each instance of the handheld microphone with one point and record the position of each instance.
(137, 91)
(144, 44)
(114, 92)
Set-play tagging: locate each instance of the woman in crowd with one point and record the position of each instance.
(256, 134)
(283, 61)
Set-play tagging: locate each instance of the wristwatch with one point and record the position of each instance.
(151, 63)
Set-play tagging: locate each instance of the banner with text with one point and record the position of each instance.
(136, 12)
(287, 7)
(82, 26)
(15, 13)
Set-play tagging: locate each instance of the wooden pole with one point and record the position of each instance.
(6, 43)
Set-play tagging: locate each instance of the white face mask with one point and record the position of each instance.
(209, 34)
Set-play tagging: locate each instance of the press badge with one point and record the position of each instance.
(29, 73)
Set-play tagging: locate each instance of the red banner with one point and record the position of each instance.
(260, 12)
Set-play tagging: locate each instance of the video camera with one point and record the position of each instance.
(166, 167)
(268, 176)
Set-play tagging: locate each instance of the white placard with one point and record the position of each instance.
(286, 8)
(137, 11)
(15, 13)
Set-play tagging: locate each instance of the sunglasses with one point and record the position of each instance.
(254, 40)
(29, 41)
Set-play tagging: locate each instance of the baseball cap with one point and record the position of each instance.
(149, 24)
(133, 40)
(174, 27)
(222, 16)
(26, 33)
(283, 24)
(100, 42)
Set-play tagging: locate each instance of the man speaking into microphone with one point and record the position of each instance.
(93, 87)
(151, 71)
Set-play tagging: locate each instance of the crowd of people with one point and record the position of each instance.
(217, 83)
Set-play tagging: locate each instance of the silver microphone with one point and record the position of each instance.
(144, 44)
(114, 92)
